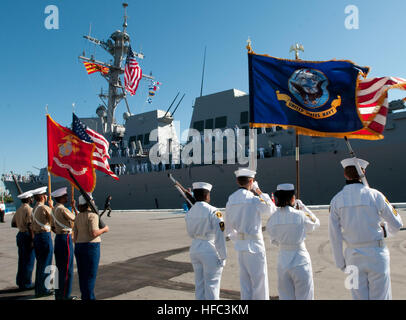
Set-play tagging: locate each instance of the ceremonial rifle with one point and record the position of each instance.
(88, 200)
(20, 191)
(357, 165)
(182, 191)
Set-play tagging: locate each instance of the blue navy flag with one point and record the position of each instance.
(316, 98)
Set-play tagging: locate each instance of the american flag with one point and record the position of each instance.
(132, 72)
(101, 153)
(372, 98)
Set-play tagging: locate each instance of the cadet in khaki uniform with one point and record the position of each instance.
(287, 228)
(42, 222)
(243, 219)
(204, 224)
(357, 214)
(22, 219)
(63, 223)
(86, 235)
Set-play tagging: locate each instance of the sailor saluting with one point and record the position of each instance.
(204, 224)
(287, 228)
(63, 222)
(243, 217)
(356, 216)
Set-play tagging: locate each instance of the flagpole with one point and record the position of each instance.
(49, 174)
(252, 165)
(296, 48)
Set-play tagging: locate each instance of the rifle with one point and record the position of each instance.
(182, 190)
(357, 165)
(88, 200)
(20, 191)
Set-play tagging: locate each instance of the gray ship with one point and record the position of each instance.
(144, 185)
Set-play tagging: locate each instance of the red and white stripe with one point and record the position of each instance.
(372, 97)
(101, 153)
(132, 75)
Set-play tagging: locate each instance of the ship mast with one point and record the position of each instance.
(117, 46)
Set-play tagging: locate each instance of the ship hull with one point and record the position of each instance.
(321, 177)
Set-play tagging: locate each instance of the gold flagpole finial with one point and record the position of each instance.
(296, 47)
(249, 48)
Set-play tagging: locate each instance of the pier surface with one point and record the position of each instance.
(146, 256)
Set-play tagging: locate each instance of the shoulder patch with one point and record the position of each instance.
(221, 224)
(310, 217)
(393, 209)
(219, 214)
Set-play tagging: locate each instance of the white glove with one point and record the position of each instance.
(255, 186)
(299, 203)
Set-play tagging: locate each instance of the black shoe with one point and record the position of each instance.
(45, 294)
(26, 288)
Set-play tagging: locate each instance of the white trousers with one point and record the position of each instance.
(373, 273)
(253, 276)
(208, 270)
(296, 283)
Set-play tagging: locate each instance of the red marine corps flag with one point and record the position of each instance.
(67, 151)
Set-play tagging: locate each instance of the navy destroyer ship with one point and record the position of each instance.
(144, 185)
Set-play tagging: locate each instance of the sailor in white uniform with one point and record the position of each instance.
(287, 228)
(361, 216)
(208, 253)
(243, 219)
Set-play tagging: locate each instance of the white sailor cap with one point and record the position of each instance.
(41, 190)
(25, 195)
(351, 162)
(59, 192)
(245, 172)
(285, 187)
(82, 200)
(202, 185)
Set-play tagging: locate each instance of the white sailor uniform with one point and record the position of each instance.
(356, 213)
(204, 224)
(243, 220)
(287, 228)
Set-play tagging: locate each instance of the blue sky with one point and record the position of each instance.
(41, 66)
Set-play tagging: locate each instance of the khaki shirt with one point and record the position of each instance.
(43, 214)
(23, 217)
(85, 223)
(63, 216)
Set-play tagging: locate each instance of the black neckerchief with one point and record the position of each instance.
(352, 181)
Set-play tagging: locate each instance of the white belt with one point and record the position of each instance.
(208, 238)
(369, 244)
(64, 228)
(46, 227)
(292, 247)
(245, 236)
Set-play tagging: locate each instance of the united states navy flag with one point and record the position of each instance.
(316, 98)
